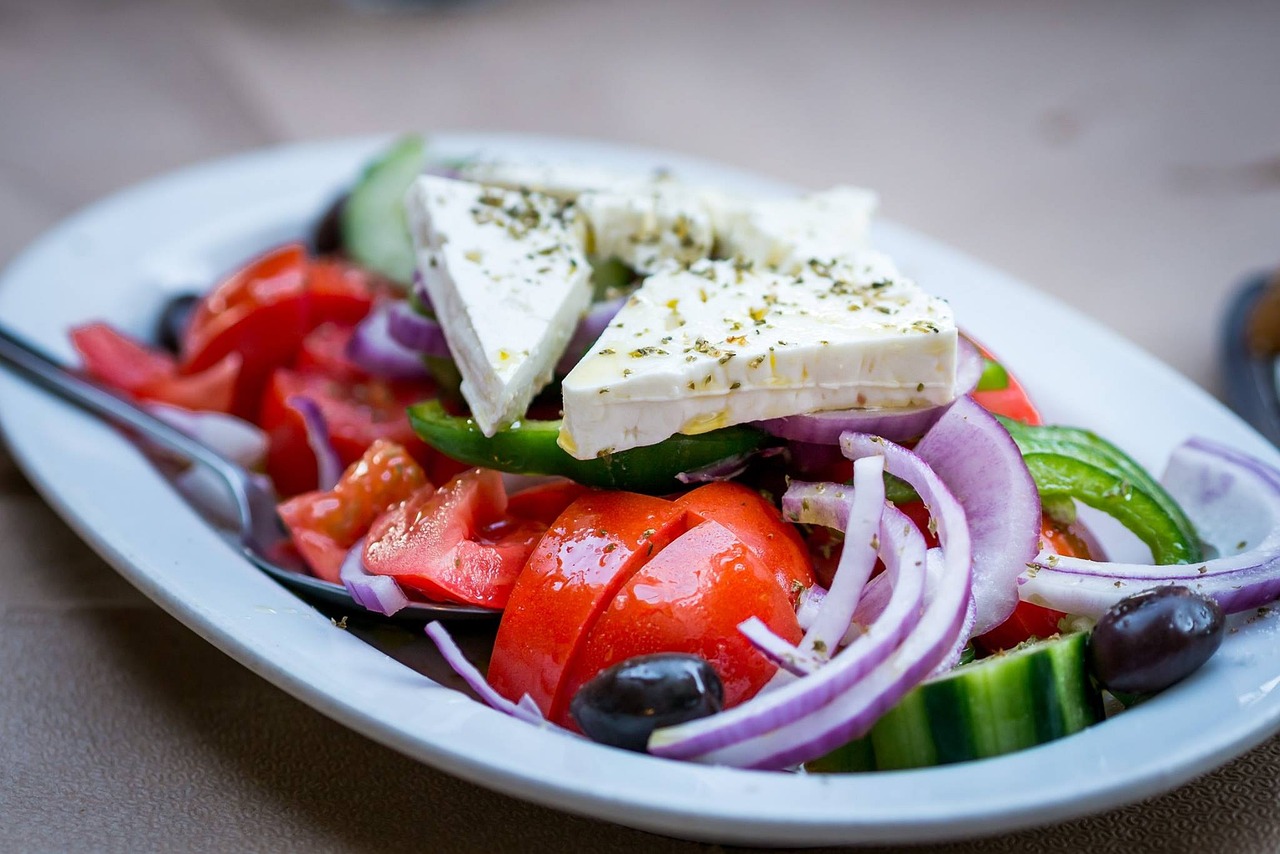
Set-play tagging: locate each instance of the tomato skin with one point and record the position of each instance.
(690, 598)
(1029, 620)
(260, 312)
(117, 360)
(575, 570)
(324, 351)
(265, 310)
(356, 412)
(759, 525)
(326, 524)
(1012, 401)
(454, 544)
(546, 501)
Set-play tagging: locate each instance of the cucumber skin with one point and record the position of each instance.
(995, 706)
(375, 230)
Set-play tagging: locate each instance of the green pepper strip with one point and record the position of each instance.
(994, 376)
(529, 447)
(1067, 462)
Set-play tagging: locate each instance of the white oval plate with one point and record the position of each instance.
(119, 258)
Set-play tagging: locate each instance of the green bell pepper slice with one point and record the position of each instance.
(1070, 463)
(529, 447)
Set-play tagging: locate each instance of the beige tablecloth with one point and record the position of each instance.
(1123, 159)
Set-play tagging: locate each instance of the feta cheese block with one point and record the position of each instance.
(786, 234)
(726, 343)
(648, 227)
(509, 281)
(564, 181)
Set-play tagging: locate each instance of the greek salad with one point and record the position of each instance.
(736, 490)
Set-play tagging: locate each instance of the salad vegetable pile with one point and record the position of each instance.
(741, 492)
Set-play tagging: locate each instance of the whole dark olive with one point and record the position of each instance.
(174, 317)
(1150, 640)
(623, 704)
(326, 239)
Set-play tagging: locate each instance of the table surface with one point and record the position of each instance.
(1126, 160)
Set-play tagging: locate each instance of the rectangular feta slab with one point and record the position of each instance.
(786, 234)
(723, 343)
(509, 281)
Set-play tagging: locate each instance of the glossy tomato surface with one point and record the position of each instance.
(325, 525)
(690, 598)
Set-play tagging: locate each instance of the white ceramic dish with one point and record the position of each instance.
(117, 259)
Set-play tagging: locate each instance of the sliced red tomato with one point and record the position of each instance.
(259, 312)
(324, 351)
(690, 598)
(575, 570)
(326, 524)
(356, 413)
(454, 544)
(760, 525)
(1012, 401)
(546, 501)
(117, 360)
(264, 311)
(1029, 620)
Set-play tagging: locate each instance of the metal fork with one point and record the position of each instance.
(260, 534)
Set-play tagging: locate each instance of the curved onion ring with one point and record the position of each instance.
(1231, 496)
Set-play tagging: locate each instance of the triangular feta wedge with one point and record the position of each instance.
(509, 281)
(722, 343)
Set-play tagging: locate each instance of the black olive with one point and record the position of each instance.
(327, 237)
(1150, 640)
(623, 704)
(172, 325)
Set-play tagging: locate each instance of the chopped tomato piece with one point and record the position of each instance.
(324, 351)
(124, 363)
(690, 598)
(1012, 401)
(546, 501)
(356, 413)
(265, 310)
(326, 524)
(760, 525)
(454, 544)
(575, 570)
(260, 312)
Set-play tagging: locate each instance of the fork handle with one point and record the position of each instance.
(29, 361)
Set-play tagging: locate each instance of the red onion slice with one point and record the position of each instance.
(790, 658)
(861, 523)
(328, 466)
(1229, 496)
(378, 593)
(414, 331)
(898, 425)
(527, 712)
(375, 351)
(978, 460)
(809, 605)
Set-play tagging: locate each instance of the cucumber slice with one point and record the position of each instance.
(1028, 696)
(374, 228)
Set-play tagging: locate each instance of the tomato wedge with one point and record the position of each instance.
(577, 567)
(690, 598)
(1011, 400)
(357, 412)
(454, 544)
(759, 525)
(264, 310)
(119, 361)
(326, 524)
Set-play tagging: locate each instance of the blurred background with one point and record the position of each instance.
(1125, 157)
